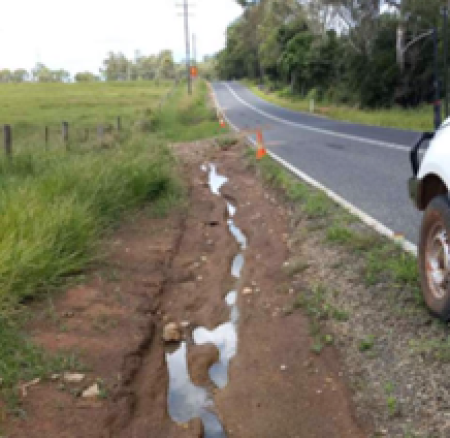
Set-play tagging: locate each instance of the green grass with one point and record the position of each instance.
(226, 142)
(417, 119)
(29, 107)
(188, 118)
(22, 360)
(387, 262)
(339, 235)
(52, 217)
(316, 304)
(57, 205)
(366, 343)
(432, 349)
(317, 206)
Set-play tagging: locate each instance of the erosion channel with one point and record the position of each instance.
(187, 401)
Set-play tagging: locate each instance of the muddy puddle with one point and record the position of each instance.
(187, 401)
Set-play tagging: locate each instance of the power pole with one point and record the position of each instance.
(185, 7)
(188, 47)
(194, 49)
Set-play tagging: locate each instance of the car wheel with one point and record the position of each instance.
(434, 256)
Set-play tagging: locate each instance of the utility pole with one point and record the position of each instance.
(194, 49)
(186, 10)
(188, 47)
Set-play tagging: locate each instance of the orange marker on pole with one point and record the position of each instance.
(259, 138)
(222, 122)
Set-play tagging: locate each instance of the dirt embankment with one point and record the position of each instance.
(178, 269)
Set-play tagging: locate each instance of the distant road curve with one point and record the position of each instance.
(365, 166)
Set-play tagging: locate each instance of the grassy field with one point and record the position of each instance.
(57, 205)
(79, 103)
(418, 119)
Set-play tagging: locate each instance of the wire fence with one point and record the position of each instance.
(67, 134)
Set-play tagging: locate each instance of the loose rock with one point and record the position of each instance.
(247, 291)
(73, 377)
(91, 392)
(172, 332)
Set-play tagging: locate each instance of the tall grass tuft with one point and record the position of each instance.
(54, 207)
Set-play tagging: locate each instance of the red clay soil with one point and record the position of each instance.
(178, 269)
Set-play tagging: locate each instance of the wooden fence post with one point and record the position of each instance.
(65, 133)
(119, 124)
(46, 136)
(100, 131)
(7, 138)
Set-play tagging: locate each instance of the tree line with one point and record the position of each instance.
(372, 53)
(115, 67)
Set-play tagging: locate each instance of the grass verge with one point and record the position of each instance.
(417, 119)
(188, 118)
(361, 292)
(385, 262)
(57, 205)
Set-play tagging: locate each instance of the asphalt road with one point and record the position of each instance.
(366, 165)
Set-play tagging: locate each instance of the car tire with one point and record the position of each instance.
(434, 256)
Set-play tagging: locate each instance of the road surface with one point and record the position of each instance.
(366, 165)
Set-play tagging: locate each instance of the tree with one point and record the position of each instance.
(5, 75)
(61, 75)
(368, 52)
(41, 73)
(20, 75)
(166, 65)
(116, 67)
(86, 77)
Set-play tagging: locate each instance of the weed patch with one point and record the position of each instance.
(316, 305)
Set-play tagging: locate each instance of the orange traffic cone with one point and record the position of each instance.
(222, 122)
(261, 151)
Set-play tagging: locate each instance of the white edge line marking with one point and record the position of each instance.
(319, 130)
(364, 217)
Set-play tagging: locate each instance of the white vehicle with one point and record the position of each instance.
(429, 188)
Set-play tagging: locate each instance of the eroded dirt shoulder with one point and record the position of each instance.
(278, 386)
(109, 324)
(177, 269)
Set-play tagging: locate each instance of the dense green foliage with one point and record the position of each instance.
(340, 51)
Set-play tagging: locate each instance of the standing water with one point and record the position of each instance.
(187, 401)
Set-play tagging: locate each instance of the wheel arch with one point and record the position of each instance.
(431, 186)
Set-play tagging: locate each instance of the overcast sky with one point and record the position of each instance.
(77, 35)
